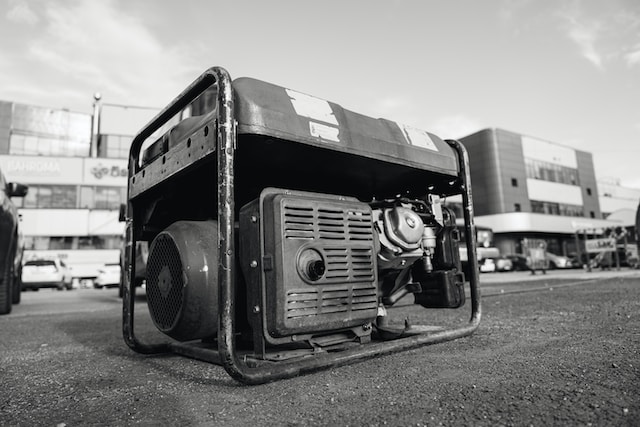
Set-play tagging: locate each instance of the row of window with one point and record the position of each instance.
(546, 171)
(110, 146)
(72, 197)
(42, 243)
(38, 145)
(552, 208)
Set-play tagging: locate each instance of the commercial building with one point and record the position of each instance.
(527, 189)
(71, 210)
(618, 201)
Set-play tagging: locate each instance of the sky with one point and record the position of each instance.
(565, 71)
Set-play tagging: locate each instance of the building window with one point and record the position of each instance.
(551, 208)
(50, 197)
(114, 146)
(108, 198)
(588, 191)
(517, 207)
(38, 145)
(43, 243)
(545, 171)
(43, 131)
(592, 214)
(514, 182)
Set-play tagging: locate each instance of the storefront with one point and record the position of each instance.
(71, 210)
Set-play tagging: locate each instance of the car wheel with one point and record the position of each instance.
(17, 289)
(5, 293)
(6, 284)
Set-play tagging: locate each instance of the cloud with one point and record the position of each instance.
(633, 57)
(20, 13)
(604, 32)
(100, 46)
(585, 35)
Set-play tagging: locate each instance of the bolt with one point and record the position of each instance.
(256, 309)
(254, 264)
(254, 218)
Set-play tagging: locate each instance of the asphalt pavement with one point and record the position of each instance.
(563, 349)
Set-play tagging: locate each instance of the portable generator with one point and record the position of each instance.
(284, 231)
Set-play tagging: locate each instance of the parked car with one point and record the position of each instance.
(559, 261)
(108, 276)
(46, 273)
(11, 248)
(519, 262)
(492, 264)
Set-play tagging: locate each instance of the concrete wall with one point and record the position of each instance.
(484, 171)
(589, 184)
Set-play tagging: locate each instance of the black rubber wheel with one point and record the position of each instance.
(6, 285)
(17, 288)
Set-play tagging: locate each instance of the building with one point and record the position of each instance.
(71, 210)
(615, 198)
(527, 189)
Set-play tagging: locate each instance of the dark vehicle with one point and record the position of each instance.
(11, 248)
(637, 231)
(519, 262)
(283, 229)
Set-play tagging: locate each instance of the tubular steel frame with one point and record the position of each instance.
(226, 353)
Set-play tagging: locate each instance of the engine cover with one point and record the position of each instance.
(182, 273)
(316, 265)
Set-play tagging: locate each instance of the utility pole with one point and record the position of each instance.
(95, 125)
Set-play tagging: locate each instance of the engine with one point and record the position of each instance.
(318, 270)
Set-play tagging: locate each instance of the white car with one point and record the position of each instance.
(487, 265)
(558, 261)
(46, 273)
(108, 276)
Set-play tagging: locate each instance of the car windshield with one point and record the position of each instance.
(40, 263)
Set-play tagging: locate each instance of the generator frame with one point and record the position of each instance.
(238, 367)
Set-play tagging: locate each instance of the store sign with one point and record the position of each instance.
(111, 172)
(600, 245)
(41, 170)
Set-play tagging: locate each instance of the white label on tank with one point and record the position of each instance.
(418, 137)
(312, 107)
(323, 131)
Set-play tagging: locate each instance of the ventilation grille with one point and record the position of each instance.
(323, 301)
(350, 264)
(336, 224)
(164, 282)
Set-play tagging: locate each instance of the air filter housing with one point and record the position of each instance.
(182, 273)
(317, 261)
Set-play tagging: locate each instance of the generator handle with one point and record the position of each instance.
(470, 231)
(210, 77)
